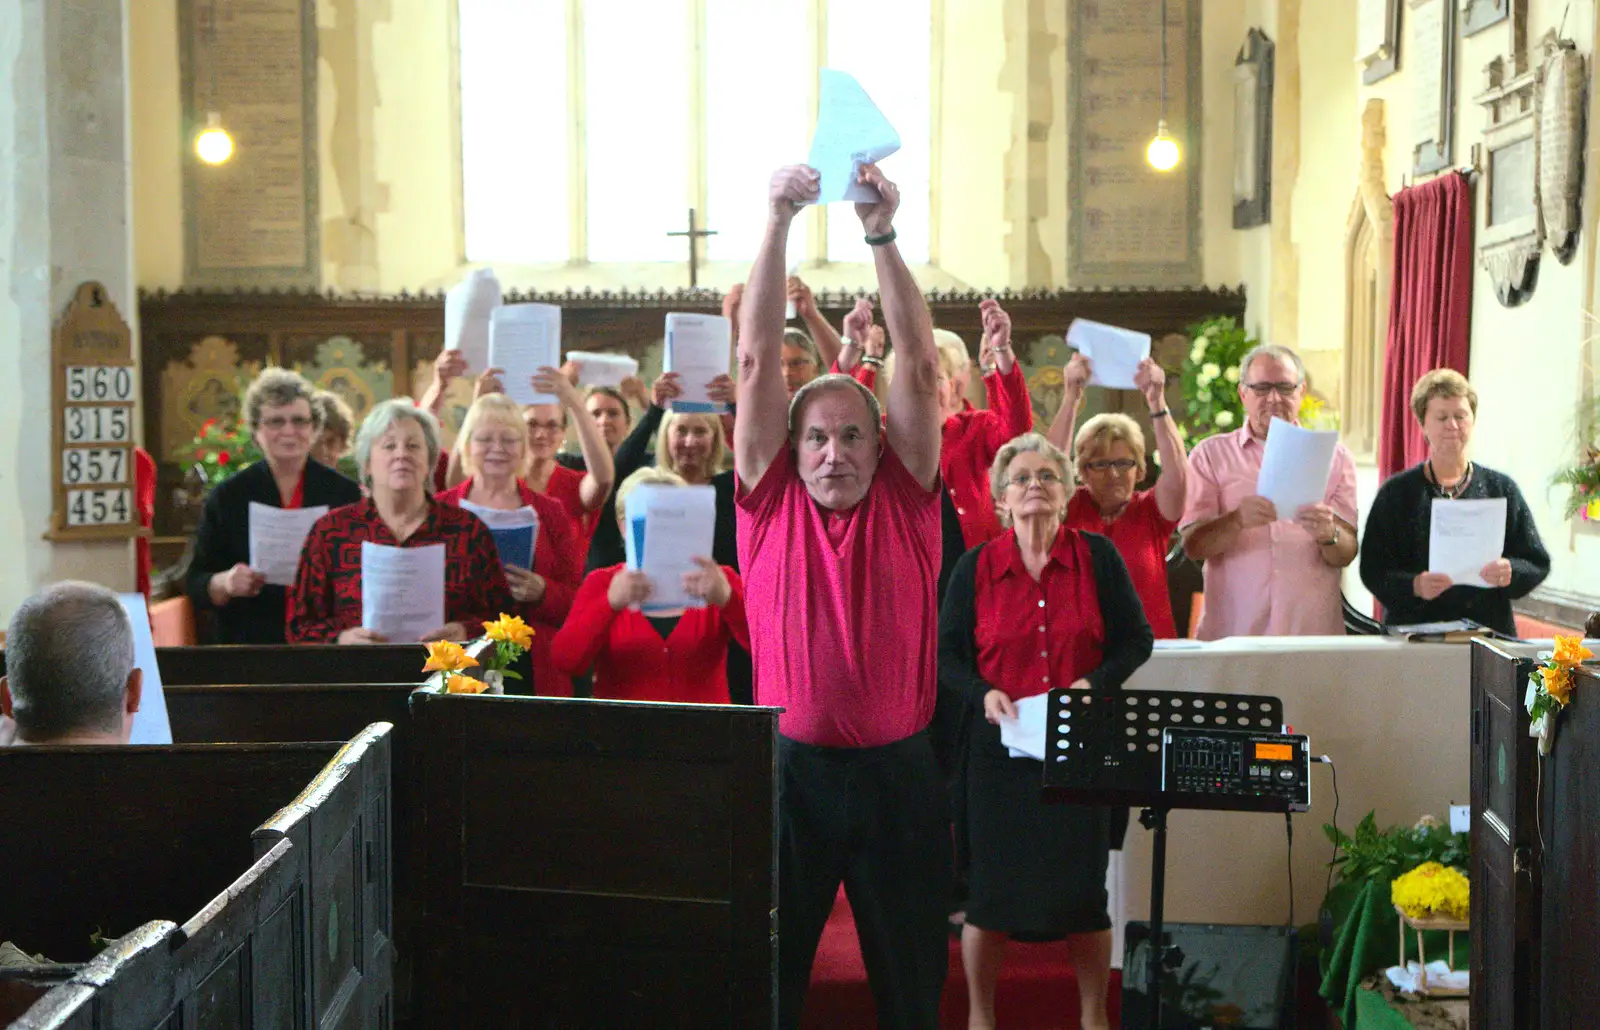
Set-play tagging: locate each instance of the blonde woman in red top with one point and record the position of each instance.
(493, 446)
(669, 655)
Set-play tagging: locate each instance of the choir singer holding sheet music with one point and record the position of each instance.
(674, 654)
(1266, 575)
(494, 447)
(396, 449)
(838, 517)
(1039, 607)
(1394, 556)
(279, 408)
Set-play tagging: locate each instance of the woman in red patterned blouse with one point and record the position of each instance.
(669, 655)
(493, 447)
(396, 448)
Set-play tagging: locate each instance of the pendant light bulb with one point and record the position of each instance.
(214, 146)
(1163, 152)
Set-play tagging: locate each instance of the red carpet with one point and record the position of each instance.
(1036, 991)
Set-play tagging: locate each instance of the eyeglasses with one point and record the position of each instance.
(1044, 477)
(503, 442)
(795, 364)
(1116, 465)
(1281, 389)
(279, 421)
(545, 427)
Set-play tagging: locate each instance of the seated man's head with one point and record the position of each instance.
(834, 425)
(70, 675)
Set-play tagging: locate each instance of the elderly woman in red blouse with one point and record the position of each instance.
(1040, 606)
(494, 446)
(396, 449)
(670, 655)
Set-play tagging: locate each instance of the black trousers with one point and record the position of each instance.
(876, 819)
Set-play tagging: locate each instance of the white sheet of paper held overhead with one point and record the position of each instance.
(467, 309)
(277, 535)
(402, 590)
(1295, 467)
(150, 725)
(851, 132)
(667, 526)
(699, 348)
(1024, 736)
(1114, 352)
(524, 338)
(602, 369)
(1464, 536)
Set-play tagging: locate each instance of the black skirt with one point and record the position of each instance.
(1038, 870)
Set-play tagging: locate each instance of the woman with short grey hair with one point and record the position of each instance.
(228, 592)
(396, 450)
(1042, 605)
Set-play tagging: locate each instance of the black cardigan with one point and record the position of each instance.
(1394, 550)
(633, 454)
(223, 540)
(1129, 639)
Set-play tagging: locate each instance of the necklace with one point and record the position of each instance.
(1450, 493)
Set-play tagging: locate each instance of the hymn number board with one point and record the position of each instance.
(93, 399)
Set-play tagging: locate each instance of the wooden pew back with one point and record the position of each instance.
(623, 851)
(251, 955)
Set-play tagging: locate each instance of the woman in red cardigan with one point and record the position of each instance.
(494, 446)
(676, 655)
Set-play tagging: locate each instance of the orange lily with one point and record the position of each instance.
(1570, 651)
(510, 629)
(447, 656)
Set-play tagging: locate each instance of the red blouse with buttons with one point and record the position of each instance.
(631, 660)
(971, 439)
(558, 558)
(1033, 636)
(1142, 535)
(326, 597)
(564, 485)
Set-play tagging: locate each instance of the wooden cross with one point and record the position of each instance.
(694, 248)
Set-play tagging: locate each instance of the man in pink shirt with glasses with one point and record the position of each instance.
(1267, 573)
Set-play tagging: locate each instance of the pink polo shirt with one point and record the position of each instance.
(1273, 581)
(840, 605)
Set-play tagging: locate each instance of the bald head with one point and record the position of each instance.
(70, 674)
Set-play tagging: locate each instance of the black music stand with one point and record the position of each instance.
(1103, 748)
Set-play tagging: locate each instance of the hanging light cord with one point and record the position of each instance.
(1163, 60)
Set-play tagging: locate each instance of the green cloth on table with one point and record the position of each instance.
(1373, 1012)
(1368, 942)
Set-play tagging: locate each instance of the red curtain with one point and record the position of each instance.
(1430, 306)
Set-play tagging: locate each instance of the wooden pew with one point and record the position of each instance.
(290, 917)
(301, 663)
(596, 863)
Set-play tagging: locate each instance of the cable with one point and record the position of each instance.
(1288, 828)
(1325, 760)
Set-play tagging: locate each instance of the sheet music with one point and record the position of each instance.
(277, 536)
(1464, 536)
(850, 132)
(699, 348)
(602, 369)
(467, 309)
(667, 527)
(1295, 467)
(151, 724)
(515, 532)
(402, 590)
(1024, 736)
(1114, 353)
(524, 338)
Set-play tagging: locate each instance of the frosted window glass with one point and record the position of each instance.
(514, 154)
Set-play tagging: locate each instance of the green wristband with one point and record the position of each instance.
(878, 241)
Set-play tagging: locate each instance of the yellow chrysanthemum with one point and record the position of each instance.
(455, 683)
(447, 656)
(510, 629)
(1570, 651)
(1558, 683)
(1432, 889)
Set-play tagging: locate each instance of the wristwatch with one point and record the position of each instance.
(1332, 541)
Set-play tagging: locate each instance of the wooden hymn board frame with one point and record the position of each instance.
(256, 219)
(94, 394)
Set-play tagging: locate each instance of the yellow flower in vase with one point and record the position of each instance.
(456, 683)
(1558, 683)
(509, 629)
(447, 656)
(1570, 651)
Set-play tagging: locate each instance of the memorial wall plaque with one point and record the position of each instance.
(1433, 94)
(253, 220)
(1128, 224)
(1378, 38)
